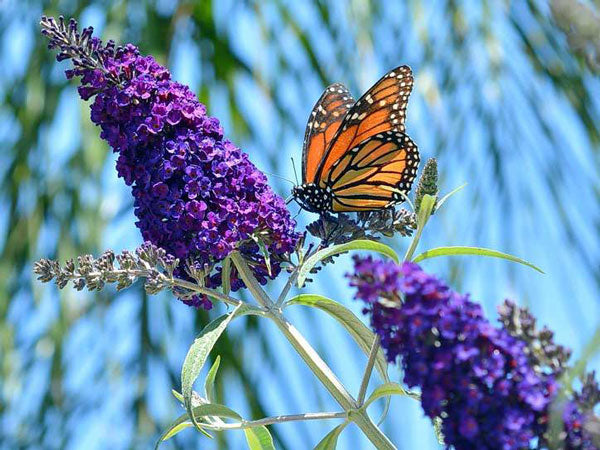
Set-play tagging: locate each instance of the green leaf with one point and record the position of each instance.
(442, 200)
(206, 410)
(259, 438)
(359, 244)
(226, 275)
(387, 389)
(177, 395)
(423, 215)
(198, 353)
(478, 251)
(215, 409)
(175, 428)
(209, 383)
(329, 442)
(363, 336)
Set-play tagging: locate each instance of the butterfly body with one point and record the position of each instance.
(313, 198)
(356, 155)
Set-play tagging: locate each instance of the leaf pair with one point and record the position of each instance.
(258, 438)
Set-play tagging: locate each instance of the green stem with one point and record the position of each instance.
(368, 370)
(312, 359)
(272, 420)
(425, 211)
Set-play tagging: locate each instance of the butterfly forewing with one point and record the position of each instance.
(323, 123)
(375, 174)
(382, 108)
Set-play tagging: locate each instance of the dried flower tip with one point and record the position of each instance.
(367, 225)
(543, 352)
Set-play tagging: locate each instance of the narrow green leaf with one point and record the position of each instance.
(442, 200)
(209, 383)
(259, 438)
(329, 442)
(198, 353)
(175, 428)
(359, 244)
(425, 211)
(177, 395)
(423, 215)
(215, 409)
(226, 275)
(385, 390)
(206, 410)
(363, 336)
(478, 251)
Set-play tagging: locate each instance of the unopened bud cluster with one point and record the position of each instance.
(148, 262)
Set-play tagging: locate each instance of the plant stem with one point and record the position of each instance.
(208, 292)
(273, 420)
(288, 285)
(368, 370)
(312, 359)
(427, 205)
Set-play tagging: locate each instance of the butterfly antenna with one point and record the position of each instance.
(295, 173)
(279, 176)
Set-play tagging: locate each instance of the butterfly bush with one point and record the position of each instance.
(196, 195)
(198, 198)
(478, 378)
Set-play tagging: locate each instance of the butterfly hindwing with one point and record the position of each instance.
(382, 108)
(375, 174)
(323, 123)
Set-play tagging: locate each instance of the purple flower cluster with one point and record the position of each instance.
(196, 194)
(476, 377)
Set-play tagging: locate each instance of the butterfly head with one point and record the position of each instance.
(313, 198)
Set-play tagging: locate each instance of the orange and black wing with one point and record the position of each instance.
(382, 108)
(375, 174)
(323, 123)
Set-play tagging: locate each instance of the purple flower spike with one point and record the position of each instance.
(182, 171)
(476, 377)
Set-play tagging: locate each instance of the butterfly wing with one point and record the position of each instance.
(382, 108)
(323, 123)
(375, 174)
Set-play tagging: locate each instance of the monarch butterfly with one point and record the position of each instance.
(356, 155)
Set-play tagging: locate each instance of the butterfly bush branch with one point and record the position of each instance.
(149, 263)
(274, 420)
